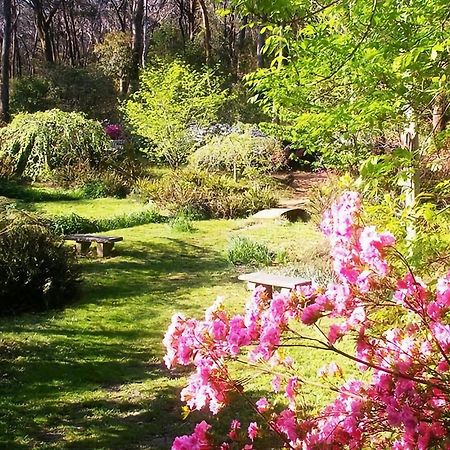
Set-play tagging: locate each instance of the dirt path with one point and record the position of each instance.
(300, 183)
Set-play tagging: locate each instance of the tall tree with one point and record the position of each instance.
(5, 61)
(137, 40)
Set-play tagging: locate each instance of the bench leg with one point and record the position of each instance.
(82, 247)
(104, 249)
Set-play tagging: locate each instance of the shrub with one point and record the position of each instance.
(240, 153)
(115, 57)
(244, 251)
(399, 330)
(73, 223)
(76, 89)
(36, 271)
(208, 195)
(173, 96)
(43, 141)
(105, 184)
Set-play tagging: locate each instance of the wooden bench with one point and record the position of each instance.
(270, 281)
(105, 244)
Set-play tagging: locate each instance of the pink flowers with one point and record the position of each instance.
(196, 441)
(404, 402)
(114, 131)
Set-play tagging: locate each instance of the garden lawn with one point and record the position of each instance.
(91, 376)
(94, 209)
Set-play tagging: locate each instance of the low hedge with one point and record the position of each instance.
(73, 223)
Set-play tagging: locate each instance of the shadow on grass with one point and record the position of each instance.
(91, 377)
(154, 269)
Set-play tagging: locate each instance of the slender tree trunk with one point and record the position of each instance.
(6, 47)
(144, 34)
(439, 108)
(239, 46)
(410, 187)
(191, 19)
(260, 41)
(207, 30)
(137, 44)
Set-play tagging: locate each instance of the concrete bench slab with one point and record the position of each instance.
(105, 244)
(270, 281)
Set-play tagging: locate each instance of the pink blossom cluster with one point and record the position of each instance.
(114, 131)
(406, 402)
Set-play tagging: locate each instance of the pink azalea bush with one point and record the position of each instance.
(114, 131)
(405, 405)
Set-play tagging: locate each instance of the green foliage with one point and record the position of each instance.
(115, 56)
(43, 141)
(30, 94)
(105, 185)
(208, 195)
(172, 97)
(67, 88)
(74, 223)
(245, 251)
(36, 271)
(169, 44)
(182, 223)
(240, 153)
(341, 83)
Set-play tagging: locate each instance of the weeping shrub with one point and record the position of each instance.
(37, 143)
(240, 153)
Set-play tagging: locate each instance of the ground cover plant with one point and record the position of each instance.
(92, 376)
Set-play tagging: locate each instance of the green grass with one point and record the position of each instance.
(96, 208)
(91, 376)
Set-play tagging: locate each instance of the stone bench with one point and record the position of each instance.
(270, 281)
(105, 244)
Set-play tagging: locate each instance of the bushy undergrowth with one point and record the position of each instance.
(207, 195)
(36, 271)
(245, 251)
(73, 223)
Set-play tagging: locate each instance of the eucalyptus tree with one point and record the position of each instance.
(6, 47)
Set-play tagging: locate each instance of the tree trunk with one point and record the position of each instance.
(190, 14)
(239, 46)
(44, 33)
(260, 41)
(439, 108)
(207, 30)
(410, 187)
(137, 44)
(6, 46)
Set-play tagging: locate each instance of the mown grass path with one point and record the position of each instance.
(91, 376)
